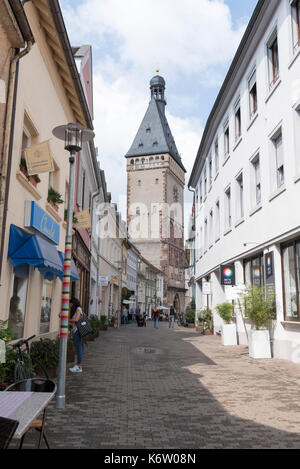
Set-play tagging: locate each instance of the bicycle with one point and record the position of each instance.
(25, 367)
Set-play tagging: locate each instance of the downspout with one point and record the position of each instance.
(194, 226)
(8, 141)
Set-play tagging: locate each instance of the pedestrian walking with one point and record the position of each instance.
(125, 314)
(76, 314)
(172, 315)
(137, 314)
(155, 315)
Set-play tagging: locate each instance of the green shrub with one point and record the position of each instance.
(259, 306)
(95, 323)
(225, 311)
(46, 352)
(190, 316)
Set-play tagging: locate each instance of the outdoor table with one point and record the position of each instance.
(25, 408)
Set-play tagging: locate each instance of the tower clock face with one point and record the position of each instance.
(175, 194)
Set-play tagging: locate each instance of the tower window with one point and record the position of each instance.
(139, 182)
(156, 181)
(148, 130)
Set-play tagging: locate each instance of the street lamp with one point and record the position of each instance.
(73, 135)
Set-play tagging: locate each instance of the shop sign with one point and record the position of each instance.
(269, 263)
(39, 159)
(37, 218)
(83, 219)
(206, 288)
(103, 281)
(228, 274)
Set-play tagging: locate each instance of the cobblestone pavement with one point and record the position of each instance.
(175, 389)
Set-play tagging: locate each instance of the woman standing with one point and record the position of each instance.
(76, 314)
(155, 315)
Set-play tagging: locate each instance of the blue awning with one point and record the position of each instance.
(25, 248)
(74, 272)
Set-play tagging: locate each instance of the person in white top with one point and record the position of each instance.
(76, 314)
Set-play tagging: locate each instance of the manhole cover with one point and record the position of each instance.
(147, 351)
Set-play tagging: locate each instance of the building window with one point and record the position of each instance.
(240, 197)
(217, 220)
(210, 170)
(205, 235)
(256, 180)
(238, 121)
(291, 280)
(228, 208)
(211, 227)
(254, 271)
(156, 181)
(17, 306)
(217, 156)
(296, 23)
(252, 95)
(278, 156)
(226, 139)
(139, 182)
(205, 183)
(200, 191)
(46, 306)
(138, 211)
(273, 60)
(175, 194)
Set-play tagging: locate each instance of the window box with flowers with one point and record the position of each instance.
(34, 179)
(54, 198)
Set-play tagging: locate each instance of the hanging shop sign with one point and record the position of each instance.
(39, 159)
(269, 263)
(228, 274)
(39, 220)
(83, 219)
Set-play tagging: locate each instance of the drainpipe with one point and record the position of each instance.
(9, 125)
(194, 225)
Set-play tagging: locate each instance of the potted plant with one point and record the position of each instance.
(23, 166)
(46, 352)
(54, 198)
(74, 220)
(34, 179)
(190, 317)
(225, 311)
(7, 367)
(260, 308)
(95, 325)
(103, 323)
(207, 322)
(200, 320)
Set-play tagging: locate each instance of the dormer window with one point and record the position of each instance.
(141, 145)
(148, 130)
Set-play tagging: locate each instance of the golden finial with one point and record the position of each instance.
(157, 70)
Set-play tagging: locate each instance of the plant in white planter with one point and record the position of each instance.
(259, 307)
(225, 311)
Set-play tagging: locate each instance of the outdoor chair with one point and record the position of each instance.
(7, 430)
(35, 385)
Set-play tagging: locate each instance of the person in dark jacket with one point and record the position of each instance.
(172, 315)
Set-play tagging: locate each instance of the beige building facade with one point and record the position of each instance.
(47, 96)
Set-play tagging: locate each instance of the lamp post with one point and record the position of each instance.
(73, 135)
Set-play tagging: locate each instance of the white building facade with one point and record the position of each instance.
(247, 174)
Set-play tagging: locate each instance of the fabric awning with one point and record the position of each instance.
(74, 272)
(25, 248)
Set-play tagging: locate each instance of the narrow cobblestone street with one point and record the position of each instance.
(147, 388)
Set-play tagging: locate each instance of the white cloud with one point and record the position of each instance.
(130, 39)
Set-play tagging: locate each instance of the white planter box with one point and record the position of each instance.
(259, 344)
(229, 334)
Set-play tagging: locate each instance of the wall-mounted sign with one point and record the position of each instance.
(228, 274)
(83, 219)
(37, 218)
(269, 264)
(115, 279)
(39, 159)
(206, 288)
(102, 281)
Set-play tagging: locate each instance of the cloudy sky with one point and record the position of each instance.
(191, 42)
